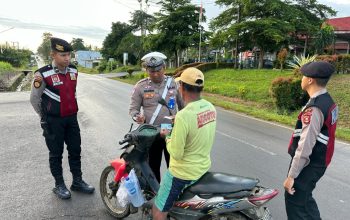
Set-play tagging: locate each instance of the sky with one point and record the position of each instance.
(24, 22)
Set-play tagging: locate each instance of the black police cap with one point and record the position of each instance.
(60, 45)
(319, 69)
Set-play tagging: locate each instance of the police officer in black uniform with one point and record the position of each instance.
(312, 144)
(53, 97)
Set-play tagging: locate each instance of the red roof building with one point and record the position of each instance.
(342, 31)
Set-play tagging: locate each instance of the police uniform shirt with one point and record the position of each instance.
(146, 94)
(312, 121)
(38, 87)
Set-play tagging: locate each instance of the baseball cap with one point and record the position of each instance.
(192, 76)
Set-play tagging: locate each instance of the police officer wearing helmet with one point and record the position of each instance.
(53, 97)
(312, 144)
(145, 107)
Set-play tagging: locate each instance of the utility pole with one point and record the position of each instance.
(200, 31)
(236, 46)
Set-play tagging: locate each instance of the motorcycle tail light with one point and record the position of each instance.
(263, 197)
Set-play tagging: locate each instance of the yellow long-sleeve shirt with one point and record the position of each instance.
(191, 140)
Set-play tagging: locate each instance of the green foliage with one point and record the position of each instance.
(141, 21)
(113, 40)
(5, 66)
(17, 58)
(341, 62)
(132, 45)
(324, 38)
(299, 62)
(102, 66)
(287, 93)
(177, 27)
(78, 44)
(45, 47)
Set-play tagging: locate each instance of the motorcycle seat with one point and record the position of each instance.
(221, 183)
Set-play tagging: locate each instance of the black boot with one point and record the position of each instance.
(80, 185)
(61, 191)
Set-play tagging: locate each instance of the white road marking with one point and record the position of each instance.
(249, 144)
(272, 123)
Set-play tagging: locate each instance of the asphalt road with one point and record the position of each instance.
(243, 146)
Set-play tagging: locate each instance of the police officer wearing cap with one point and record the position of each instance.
(312, 144)
(146, 95)
(53, 97)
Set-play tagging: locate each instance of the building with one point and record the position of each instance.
(88, 59)
(342, 32)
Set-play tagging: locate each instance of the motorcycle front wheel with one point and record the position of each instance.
(108, 191)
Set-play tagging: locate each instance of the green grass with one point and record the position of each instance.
(247, 91)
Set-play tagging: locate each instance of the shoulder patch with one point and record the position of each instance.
(38, 79)
(306, 117)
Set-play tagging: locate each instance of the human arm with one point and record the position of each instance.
(312, 120)
(177, 141)
(38, 86)
(135, 105)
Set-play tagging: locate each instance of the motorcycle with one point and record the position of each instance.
(214, 196)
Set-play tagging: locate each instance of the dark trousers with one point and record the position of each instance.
(301, 205)
(155, 156)
(63, 130)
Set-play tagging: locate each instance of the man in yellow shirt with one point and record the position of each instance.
(189, 144)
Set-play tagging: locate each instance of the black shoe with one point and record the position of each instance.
(80, 185)
(61, 191)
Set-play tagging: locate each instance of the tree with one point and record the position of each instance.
(131, 44)
(177, 27)
(113, 39)
(78, 44)
(45, 47)
(258, 24)
(141, 21)
(267, 24)
(307, 16)
(324, 38)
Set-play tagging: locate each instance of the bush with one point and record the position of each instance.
(5, 66)
(287, 93)
(102, 66)
(341, 62)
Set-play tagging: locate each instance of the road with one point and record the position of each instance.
(243, 146)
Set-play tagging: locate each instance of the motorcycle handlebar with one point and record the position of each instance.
(126, 139)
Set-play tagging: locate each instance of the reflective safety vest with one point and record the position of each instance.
(324, 147)
(59, 96)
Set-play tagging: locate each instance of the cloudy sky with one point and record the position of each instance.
(25, 21)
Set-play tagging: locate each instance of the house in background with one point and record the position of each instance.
(88, 59)
(342, 32)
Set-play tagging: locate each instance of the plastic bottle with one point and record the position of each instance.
(171, 103)
(135, 197)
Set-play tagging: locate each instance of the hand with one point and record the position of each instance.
(164, 132)
(288, 185)
(139, 118)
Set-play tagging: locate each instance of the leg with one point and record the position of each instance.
(55, 140)
(73, 141)
(169, 191)
(155, 157)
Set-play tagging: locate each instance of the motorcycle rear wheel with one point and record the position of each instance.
(108, 195)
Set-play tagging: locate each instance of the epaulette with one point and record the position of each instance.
(142, 81)
(44, 69)
(72, 66)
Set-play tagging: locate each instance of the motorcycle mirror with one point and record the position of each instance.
(132, 124)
